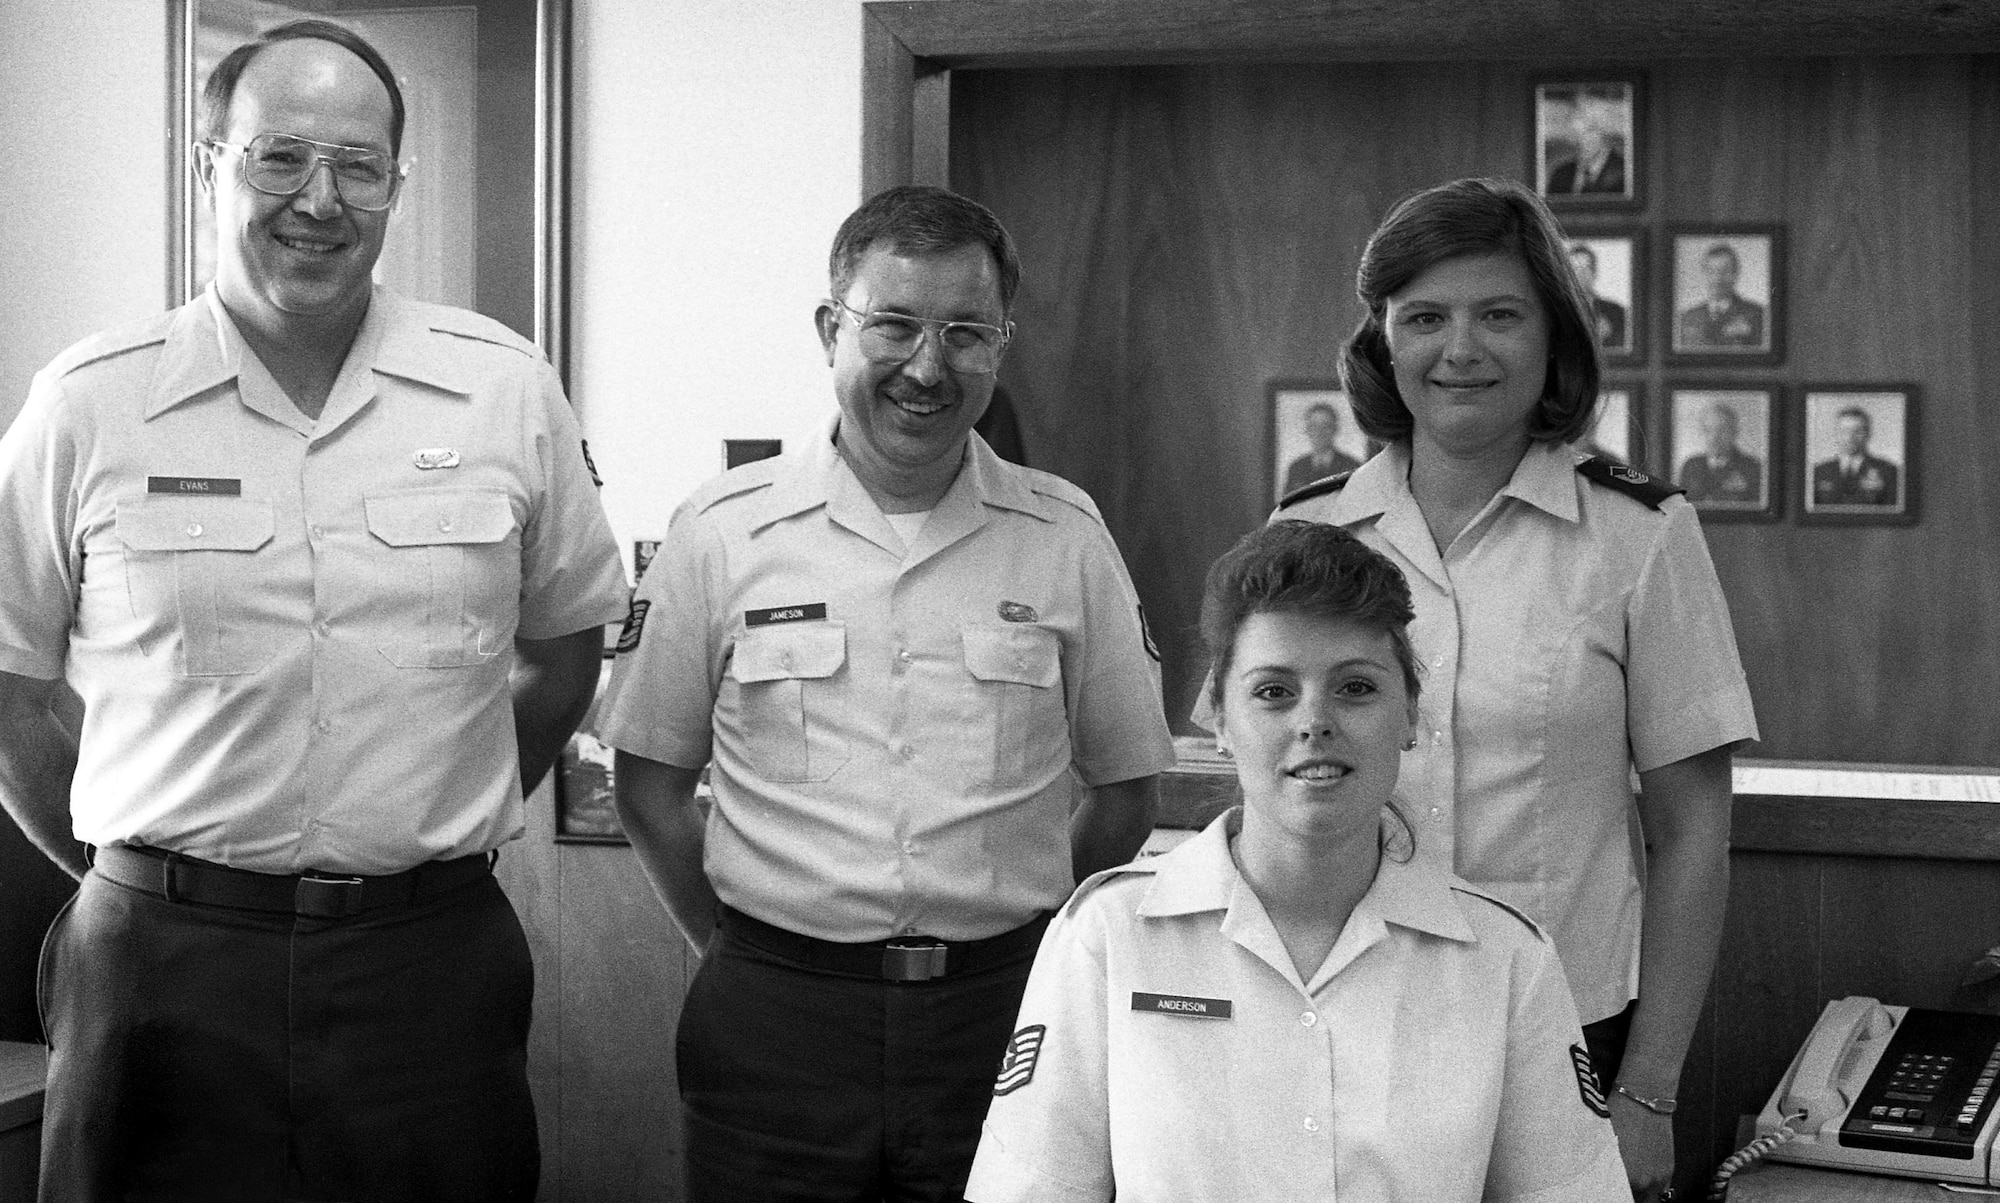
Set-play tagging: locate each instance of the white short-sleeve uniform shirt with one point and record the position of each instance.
(1570, 634)
(1167, 1050)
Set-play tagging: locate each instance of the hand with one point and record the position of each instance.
(1646, 1142)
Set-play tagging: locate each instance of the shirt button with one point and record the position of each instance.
(910, 846)
(1437, 662)
(786, 660)
(1437, 814)
(1437, 737)
(907, 752)
(318, 531)
(194, 530)
(444, 524)
(1311, 1124)
(323, 726)
(1308, 1019)
(321, 629)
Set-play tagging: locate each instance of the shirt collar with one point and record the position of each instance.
(1200, 875)
(824, 479)
(1545, 478)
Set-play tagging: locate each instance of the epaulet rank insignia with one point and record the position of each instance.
(1318, 488)
(1629, 481)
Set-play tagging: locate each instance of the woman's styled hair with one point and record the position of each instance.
(1311, 569)
(1464, 218)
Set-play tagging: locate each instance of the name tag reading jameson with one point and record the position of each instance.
(764, 618)
(1182, 1004)
(213, 486)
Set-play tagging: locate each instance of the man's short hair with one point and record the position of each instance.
(1473, 217)
(1855, 411)
(917, 219)
(1726, 251)
(1726, 411)
(220, 90)
(1321, 407)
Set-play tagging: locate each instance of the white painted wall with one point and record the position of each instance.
(83, 197)
(716, 146)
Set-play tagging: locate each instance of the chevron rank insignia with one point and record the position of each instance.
(1017, 1068)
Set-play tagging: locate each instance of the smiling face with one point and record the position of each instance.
(1315, 711)
(1469, 341)
(306, 255)
(910, 419)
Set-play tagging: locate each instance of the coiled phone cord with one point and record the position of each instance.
(1718, 1186)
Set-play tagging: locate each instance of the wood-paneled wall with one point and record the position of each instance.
(1191, 232)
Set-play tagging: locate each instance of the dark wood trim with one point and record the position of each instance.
(1866, 827)
(888, 104)
(1044, 33)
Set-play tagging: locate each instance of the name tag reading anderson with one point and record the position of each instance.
(213, 486)
(764, 618)
(1182, 1004)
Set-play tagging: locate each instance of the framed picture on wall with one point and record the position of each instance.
(1722, 440)
(1585, 137)
(1611, 263)
(1858, 453)
(1313, 434)
(1614, 429)
(1727, 289)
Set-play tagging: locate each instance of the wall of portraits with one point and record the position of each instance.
(1191, 233)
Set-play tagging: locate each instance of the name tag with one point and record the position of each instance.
(764, 618)
(214, 486)
(1182, 1004)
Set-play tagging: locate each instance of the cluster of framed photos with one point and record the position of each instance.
(1842, 453)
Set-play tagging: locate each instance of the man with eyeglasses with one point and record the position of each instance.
(327, 570)
(897, 650)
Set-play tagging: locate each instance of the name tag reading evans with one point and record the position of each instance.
(764, 618)
(1182, 1004)
(214, 486)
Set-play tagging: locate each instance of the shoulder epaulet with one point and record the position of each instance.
(736, 482)
(1318, 488)
(1104, 877)
(1049, 485)
(1460, 887)
(107, 344)
(1629, 481)
(464, 323)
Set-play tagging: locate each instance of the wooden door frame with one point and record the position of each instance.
(911, 47)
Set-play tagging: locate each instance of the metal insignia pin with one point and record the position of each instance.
(435, 457)
(1011, 611)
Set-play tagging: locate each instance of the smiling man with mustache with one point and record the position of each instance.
(328, 572)
(897, 649)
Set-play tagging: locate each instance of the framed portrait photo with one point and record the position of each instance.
(1727, 288)
(1613, 432)
(1313, 434)
(1585, 134)
(1858, 449)
(1612, 263)
(1722, 443)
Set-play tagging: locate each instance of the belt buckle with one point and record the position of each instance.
(327, 897)
(917, 959)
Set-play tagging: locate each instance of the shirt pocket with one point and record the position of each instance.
(786, 694)
(194, 557)
(1016, 671)
(456, 563)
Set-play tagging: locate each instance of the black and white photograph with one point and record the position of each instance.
(1313, 435)
(1858, 453)
(1727, 287)
(1585, 137)
(1722, 442)
(1611, 265)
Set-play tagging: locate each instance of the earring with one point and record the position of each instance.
(1410, 744)
(1222, 750)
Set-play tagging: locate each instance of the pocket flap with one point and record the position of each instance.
(1024, 654)
(433, 516)
(782, 653)
(193, 523)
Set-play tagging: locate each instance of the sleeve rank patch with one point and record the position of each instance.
(1629, 481)
(1586, 1081)
(1017, 1067)
(635, 625)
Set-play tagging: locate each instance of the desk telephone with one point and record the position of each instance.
(1893, 1090)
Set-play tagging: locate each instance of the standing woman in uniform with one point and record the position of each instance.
(1290, 1005)
(1570, 624)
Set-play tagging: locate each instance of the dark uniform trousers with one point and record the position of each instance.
(202, 1052)
(811, 1085)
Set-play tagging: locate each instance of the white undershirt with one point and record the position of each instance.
(906, 526)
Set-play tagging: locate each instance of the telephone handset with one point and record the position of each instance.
(1892, 1090)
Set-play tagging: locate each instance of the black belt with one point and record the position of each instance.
(902, 959)
(178, 878)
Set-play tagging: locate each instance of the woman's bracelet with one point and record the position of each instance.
(1658, 1106)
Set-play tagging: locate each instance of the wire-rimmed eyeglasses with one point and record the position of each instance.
(970, 347)
(281, 164)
